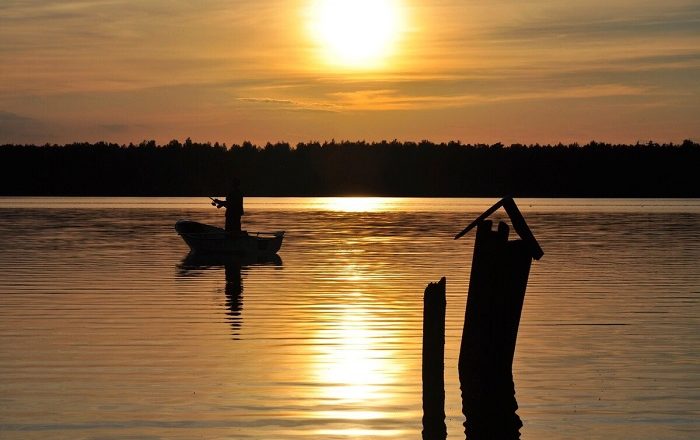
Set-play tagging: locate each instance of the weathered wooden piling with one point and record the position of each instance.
(434, 305)
(499, 274)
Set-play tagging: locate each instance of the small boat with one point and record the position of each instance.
(203, 238)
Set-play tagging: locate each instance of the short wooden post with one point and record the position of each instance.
(434, 304)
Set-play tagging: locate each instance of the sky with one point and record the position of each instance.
(476, 71)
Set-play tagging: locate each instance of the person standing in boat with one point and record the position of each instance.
(234, 207)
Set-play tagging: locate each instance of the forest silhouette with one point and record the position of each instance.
(419, 169)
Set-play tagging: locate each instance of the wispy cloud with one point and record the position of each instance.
(293, 105)
(20, 129)
(381, 100)
(66, 46)
(118, 128)
(664, 21)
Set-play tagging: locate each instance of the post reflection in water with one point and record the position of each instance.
(194, 263)
(491, 416)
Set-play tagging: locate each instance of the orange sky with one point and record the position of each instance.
(228, 71)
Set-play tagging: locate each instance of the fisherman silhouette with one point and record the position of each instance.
(234, 207)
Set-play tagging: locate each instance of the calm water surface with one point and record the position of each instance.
(109, 331)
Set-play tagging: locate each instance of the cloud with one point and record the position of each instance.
(382, 100)
(283, 102)
(18, 128)
(117, 128)
(388, 99)
(82, 45)
(294, 105)
(606, 24)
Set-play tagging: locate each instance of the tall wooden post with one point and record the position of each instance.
(434, 304)
(499, 275)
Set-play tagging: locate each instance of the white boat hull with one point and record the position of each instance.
(203, 238)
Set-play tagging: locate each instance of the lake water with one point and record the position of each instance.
(109, 331)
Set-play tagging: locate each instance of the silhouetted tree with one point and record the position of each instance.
(387, 168)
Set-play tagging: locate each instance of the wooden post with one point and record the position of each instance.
(499, 275)
(434, 304)
(500, 269)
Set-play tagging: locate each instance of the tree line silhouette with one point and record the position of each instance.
(343, 168)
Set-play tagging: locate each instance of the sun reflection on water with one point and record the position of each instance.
(354, 367)
(356, 204)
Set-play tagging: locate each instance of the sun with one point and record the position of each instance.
(357, 34)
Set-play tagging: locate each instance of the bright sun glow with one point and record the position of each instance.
(358, 34)
(355, 204)
(354, 364)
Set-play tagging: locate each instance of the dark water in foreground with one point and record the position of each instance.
(108, 331)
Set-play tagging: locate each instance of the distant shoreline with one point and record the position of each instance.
(381, 169)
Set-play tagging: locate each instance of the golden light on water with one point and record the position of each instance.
(356, 34)
(355, 362)
(356, 204)
(350, 370)
(353, 369)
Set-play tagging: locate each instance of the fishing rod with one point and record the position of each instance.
(215, 202)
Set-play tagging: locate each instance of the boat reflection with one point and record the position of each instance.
(234, 266)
